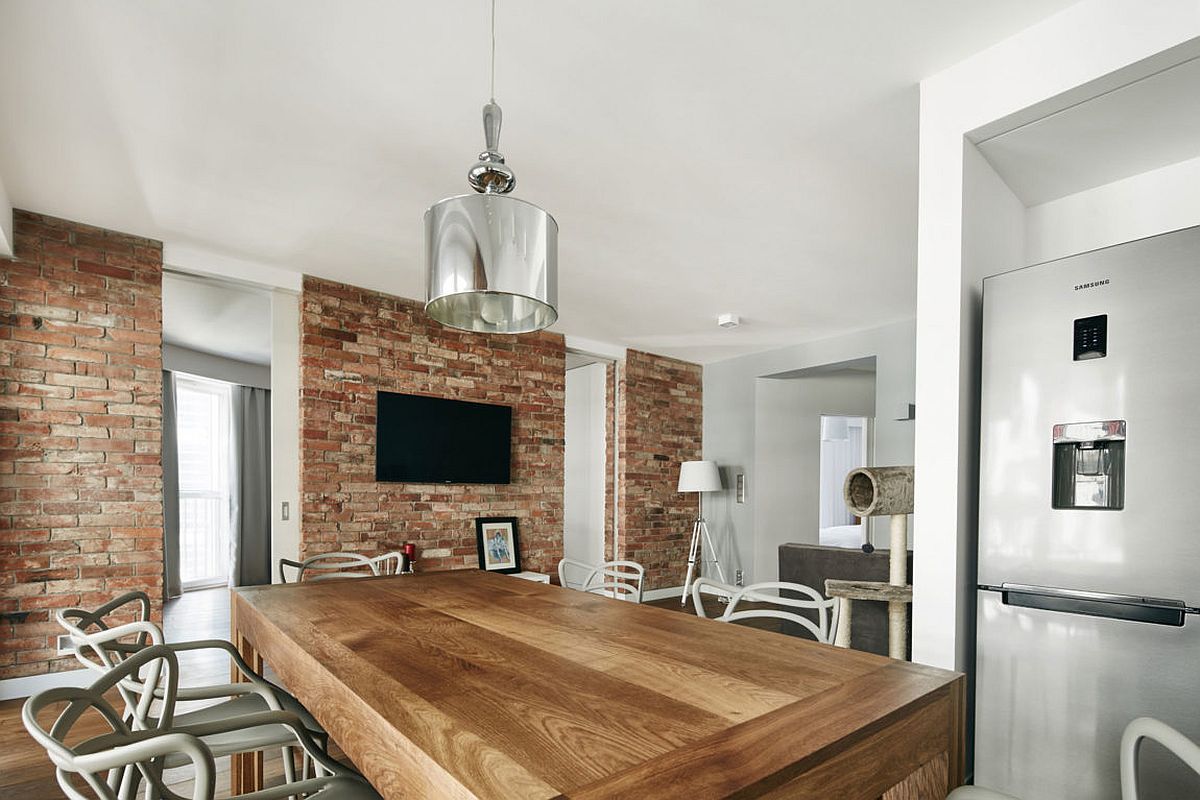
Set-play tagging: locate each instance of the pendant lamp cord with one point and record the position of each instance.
(493, 91)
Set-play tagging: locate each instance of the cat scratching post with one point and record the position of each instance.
(880, 492)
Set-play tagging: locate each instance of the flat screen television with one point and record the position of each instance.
(433, 440)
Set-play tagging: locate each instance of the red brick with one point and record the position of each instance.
(104, 269)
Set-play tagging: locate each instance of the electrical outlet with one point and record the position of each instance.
(737, 577)
(65, 648)
(287, 511)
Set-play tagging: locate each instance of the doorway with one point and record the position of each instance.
(585, 470)
(217, 340)
(844, 447)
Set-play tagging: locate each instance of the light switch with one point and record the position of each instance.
(741, 487)
(287, 510)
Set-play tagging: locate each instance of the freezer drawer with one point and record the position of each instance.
(1055, 690)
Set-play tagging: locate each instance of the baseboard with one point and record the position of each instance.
(12, 688)
(662, 594)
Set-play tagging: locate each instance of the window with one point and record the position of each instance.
(202, 420)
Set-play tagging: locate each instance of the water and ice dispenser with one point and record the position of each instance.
(1089, 465)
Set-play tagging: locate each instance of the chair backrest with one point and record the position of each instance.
(812, 600)
(1146, 728)
(328, 565)
(703, 586)
(105, 762)
(620, 579)
(388, 563)
(101, 646)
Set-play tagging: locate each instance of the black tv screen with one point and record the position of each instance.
(431, 440)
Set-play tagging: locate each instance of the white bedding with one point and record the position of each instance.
(851, 536)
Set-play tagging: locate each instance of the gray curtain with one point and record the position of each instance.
(170, 463)
(250, 532)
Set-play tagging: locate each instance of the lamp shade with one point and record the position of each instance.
(491, 264)
(699, 476)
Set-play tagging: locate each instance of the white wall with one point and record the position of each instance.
(285, 424)
(1079, 53)
(1165, 199)
(787, 456)
(584, 476)
(730, 421)
(218, 368)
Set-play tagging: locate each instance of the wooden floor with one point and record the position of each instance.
(26, 772)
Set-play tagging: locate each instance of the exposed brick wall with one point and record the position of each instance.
(80, 428)
(661, 413)
(355, 342)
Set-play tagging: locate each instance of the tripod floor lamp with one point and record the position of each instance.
(699, 477)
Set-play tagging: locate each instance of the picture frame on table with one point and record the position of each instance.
(498, 544)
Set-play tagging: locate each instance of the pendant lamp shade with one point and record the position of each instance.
(491, 263)
(491, 260)
(699, 476)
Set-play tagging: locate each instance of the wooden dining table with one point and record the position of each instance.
(469, 684)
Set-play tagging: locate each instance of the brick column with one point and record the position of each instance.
(661, 427)
(80, 428)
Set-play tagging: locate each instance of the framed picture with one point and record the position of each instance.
(499, 549)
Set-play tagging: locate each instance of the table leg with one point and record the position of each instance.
(841, 637)
(245, 769)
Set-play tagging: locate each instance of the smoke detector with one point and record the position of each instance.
(729, 320)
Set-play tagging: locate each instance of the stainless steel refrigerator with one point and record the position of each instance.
(1089, 519)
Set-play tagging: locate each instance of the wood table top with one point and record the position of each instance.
(490, 686)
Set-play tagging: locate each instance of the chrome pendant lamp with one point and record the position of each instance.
(491, 260)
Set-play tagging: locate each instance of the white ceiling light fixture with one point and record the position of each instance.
(491, 260)
(729, 320)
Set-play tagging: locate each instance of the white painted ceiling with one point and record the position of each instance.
(756, 158)
(1151, 123)
(217, 318)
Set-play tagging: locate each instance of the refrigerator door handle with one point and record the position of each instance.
(1154, 610)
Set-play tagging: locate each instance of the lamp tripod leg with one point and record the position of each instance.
(692, 555)
(711, 549)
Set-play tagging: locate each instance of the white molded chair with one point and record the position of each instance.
(339, 565)
(109, 766)
(388, 563)
(827, 609)
(103, 648)
(702, 586)
(1140, 729)
(620, 579)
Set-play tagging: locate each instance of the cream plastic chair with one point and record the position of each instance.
(822, 630)
(110, 766)
(102, 647)
(620, 579)
(1136, 732)
(331, 565)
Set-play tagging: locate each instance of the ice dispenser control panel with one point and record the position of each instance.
(1091, 337)
(1089, 465)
